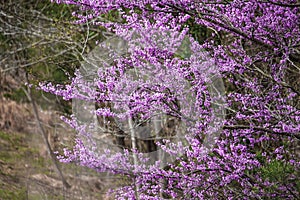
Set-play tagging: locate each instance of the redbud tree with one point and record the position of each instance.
(252, 46)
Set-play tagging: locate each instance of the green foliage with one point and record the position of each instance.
(113, 16)
(17, 95)
(11, 138)
(53, 73)
(16, 194)
(13, 150)
(276, 170)
(200, 33)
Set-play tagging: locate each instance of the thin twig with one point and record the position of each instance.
(44, 135)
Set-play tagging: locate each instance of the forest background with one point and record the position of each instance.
(39, 42)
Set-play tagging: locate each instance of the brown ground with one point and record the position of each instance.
(26, 170)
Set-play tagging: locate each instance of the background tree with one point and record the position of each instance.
(37, 42)
(39, 39)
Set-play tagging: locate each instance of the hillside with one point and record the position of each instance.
(26, 170)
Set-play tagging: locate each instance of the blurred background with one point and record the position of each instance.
(40, 42)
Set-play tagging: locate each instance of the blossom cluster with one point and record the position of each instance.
(254, 49)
